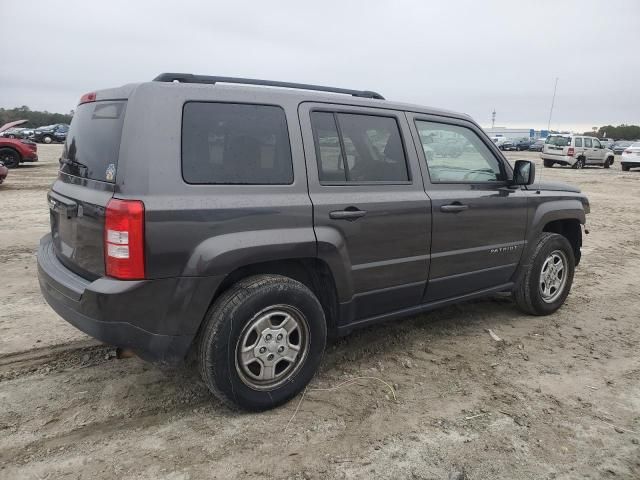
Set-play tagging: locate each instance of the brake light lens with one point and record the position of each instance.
(87, 98)
(571, 152)
(124, 239)
(627, 151)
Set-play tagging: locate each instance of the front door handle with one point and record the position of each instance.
(453, 208)
(350, 214)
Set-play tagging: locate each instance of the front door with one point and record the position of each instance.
(595, 155)
(479, 221)
(372, 217)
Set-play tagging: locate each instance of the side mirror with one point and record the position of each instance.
(524, 172)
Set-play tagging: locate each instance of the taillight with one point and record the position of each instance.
(571, 152)
(627, 151)
(87, 98)
(124, 239)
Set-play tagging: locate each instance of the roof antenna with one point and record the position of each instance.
(553, 100)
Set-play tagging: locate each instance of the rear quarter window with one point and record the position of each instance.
(237, 144)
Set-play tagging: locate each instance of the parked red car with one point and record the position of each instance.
(13, 151)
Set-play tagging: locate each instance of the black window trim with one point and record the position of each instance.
(501, 162)
(230, 102)
(335, 112)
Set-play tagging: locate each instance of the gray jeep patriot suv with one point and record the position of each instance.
(248, 220)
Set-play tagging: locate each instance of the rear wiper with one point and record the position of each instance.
(75, 163)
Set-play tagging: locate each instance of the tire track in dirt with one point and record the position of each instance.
(80, 354)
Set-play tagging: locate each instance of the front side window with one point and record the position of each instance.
(239, 144)
(596, 143)
(457, 154)
(358, 148)
(587, 142)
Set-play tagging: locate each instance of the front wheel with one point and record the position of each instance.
(608, 162)
(262, 342)
(9, 157)
(546, 280)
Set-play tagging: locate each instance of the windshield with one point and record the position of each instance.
(558, 141)
(93, 141)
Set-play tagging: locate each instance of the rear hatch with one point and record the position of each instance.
(85, 184)
(557, 145)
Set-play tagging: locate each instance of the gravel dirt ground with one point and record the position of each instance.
(556, 397)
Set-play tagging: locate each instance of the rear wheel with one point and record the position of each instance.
(546, 280)
(625, 168)
(548, 163)
(579, 163)
(47, 139)
(262, 342)
(9, 157)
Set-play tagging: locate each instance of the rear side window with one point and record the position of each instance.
(358, 148)
(93, 141)
(578, 142)
(230, 143)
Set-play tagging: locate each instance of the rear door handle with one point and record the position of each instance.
(350, 214)
(453, 208)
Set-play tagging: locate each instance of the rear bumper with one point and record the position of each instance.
(158, 319)
(630, 163)
(561, 159)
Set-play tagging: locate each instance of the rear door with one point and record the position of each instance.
(479, 222)
(587, 151)
(85, 184)
(369, 204)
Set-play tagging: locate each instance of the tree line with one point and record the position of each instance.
(34, 117)
(621, 132)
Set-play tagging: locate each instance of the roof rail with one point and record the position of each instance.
(191, 78)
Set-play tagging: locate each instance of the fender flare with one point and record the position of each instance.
(223, 254)
(565, 209)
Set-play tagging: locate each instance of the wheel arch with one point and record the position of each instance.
(314, 273)
(564, 216)
(571, 229)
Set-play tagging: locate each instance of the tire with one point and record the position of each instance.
(579, 164)
(608, 162)
(47, 139)
(249, 314)
(9, 157)
(625, 168)
(529, 295)
(548, 163)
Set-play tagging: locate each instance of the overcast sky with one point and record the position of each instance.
(469, 56)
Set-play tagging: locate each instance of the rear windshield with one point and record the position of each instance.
(558, 141)
(230, 143)
(93, 142)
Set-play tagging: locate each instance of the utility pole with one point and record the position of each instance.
(553, 100)
(493, 118)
